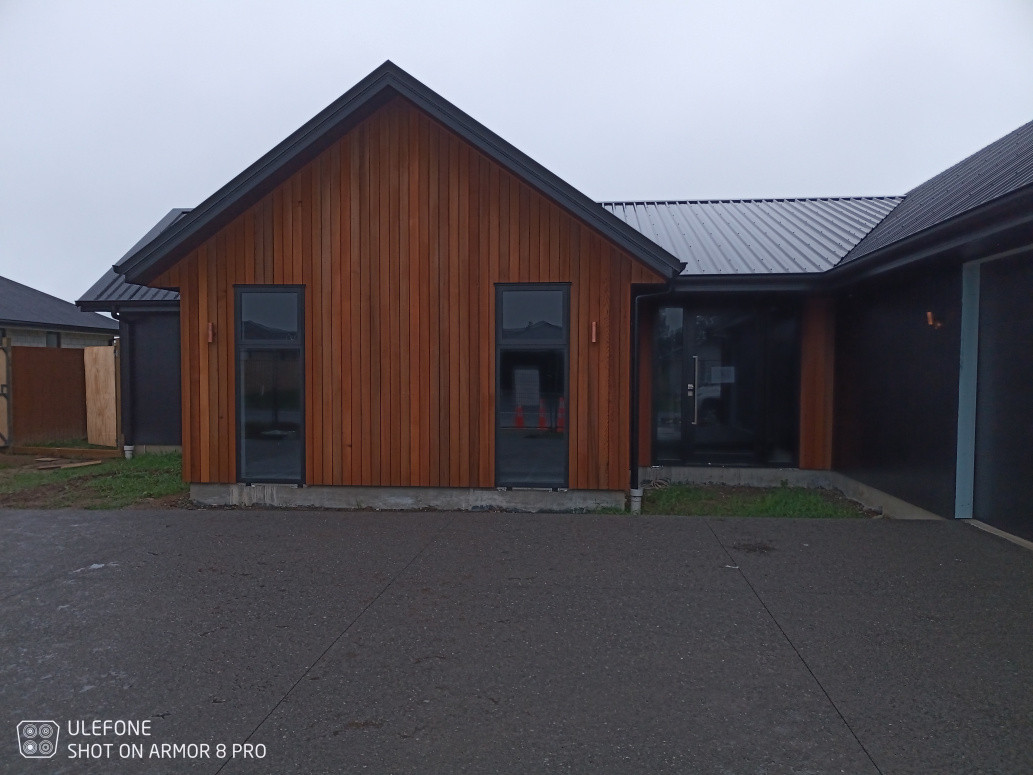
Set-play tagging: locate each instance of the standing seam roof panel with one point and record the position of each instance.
(759, 236)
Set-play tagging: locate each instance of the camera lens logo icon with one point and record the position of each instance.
(37, 739)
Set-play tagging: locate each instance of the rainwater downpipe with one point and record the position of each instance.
(125, 392)
(635, 495)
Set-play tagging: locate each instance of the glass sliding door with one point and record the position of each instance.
(532, 350)
(270, 384)
(724, 385)
(669, 391)
(723, 350)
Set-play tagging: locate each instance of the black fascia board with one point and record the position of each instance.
(956, 236)
(748, 283)
(113, 307)
(383, 84)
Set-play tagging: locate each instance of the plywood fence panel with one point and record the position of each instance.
(101, 398)
(399, 232)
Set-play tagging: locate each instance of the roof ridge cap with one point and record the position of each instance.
(745, 200)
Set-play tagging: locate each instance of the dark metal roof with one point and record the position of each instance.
(22, 306)
(757, 236)
(1002, 168)
(386, 82)
(113, 291)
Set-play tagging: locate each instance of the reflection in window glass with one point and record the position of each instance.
(271, 383)
(531, 440)
(532, 316)
(270, 417)
(269, 316)
(668, 386)
(531, 448)
(725, 385)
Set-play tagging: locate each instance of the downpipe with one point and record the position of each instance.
(635, 492)
(636, 500)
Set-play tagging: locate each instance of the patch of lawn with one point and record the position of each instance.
(724, 501)
(112, 484)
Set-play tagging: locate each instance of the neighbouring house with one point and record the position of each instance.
(395, 306)
(43, 381)
(31, 318)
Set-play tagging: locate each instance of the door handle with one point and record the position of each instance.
(692, 391)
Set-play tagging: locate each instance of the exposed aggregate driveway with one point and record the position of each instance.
(481, 643)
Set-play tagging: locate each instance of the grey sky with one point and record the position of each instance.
(111, 113)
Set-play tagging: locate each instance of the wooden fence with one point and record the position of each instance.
(5, 395)
(48, 394)
(101, 395)
(50, 390)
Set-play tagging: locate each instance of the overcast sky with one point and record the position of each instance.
(112, 113)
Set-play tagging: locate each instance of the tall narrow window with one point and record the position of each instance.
(270, 384)
(532, 351)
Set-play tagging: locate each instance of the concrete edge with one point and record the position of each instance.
(1001, 534)
(156, 449)
(405, 498)
(869, 497)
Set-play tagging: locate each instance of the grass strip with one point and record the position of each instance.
(111, 485)
(726, 501)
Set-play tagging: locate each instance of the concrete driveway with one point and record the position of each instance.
(439, 643)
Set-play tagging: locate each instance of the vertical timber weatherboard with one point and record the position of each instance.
(816, 384)
(399, 232)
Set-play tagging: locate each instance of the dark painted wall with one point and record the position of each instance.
(152, 379)
(896, 386)
(1004, 409)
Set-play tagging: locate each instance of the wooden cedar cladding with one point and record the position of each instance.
(817, 353)
(399, 232)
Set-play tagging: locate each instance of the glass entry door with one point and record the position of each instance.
(715, 397)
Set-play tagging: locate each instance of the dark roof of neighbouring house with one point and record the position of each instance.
(25, 307)
(386, 82)
(1001, 168)
(757, 236)
(113, 291)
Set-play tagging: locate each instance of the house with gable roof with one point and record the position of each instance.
(32, 318)
(395, 306)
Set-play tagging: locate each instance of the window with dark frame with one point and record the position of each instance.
(532, 364)
(270, 383)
